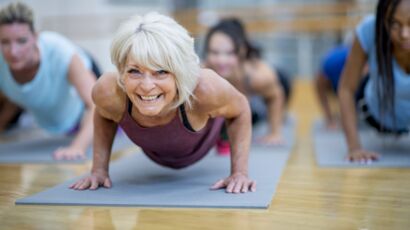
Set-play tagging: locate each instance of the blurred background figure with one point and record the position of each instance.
(327, 81)
(47, 75)
(382, 40)
(230, 53)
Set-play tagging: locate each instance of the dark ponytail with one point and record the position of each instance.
(384, 53)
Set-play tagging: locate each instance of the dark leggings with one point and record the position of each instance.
(370, 120)
(286, 83)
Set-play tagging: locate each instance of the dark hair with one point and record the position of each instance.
(385, 80)
(234, 29)
(17, 12)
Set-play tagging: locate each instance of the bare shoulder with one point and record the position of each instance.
(214, 95)
(108, 97)
(261, 74)
(210, 86)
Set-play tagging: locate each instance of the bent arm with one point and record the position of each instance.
(275, 99)
(221, 99)
(348, 85)
(266, 83)
(104, 133)
(323, 86)
(83, 81)
(239, 132)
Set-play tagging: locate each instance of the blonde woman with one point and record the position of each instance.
(166, 104)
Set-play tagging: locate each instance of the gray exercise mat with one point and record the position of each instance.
(288, 131)
(137, 181)
(39, 150)
(331, 149)
(21, 134)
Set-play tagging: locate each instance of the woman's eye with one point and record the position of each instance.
(161, 72)
(133, 71)
(22, 40)
(394, 25)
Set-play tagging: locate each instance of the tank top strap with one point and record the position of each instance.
(184, 116)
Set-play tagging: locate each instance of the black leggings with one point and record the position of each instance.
(364, 109)
(286, 83)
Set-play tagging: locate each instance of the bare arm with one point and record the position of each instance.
(266, 83)
(348, 85)
(104, 133)
(83, 81)
(238, 121)
(222, 99)
(323, 86)
(109, 109)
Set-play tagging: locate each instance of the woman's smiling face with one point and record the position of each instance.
(152, 92)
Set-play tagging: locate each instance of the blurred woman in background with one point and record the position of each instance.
(48, 76)
(229, 52)
(382, 41)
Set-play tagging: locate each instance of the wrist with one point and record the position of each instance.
(354, 148)
(79, 145)
(99, 171)
(240, 172)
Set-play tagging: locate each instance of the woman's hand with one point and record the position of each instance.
(362, 156)
(93, 181)
(272, 139)
(236, 183)
(69, 153)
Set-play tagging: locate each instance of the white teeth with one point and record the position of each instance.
(149, 98)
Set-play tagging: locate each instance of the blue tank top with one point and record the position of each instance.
(365, 32)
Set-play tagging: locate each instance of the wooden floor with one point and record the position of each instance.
(307, 197)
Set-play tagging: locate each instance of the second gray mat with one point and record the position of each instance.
(330, 148)
(288, 132)
(39, 150)
(139, 182)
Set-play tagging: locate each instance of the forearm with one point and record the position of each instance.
(324, 102)
(85, 134)
(104, 133)
(348, 112)
(275, 111)
(240, 132)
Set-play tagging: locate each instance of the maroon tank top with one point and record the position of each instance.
(172, 145)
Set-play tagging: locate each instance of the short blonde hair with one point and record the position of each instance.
(17, 12)
(157, 42)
